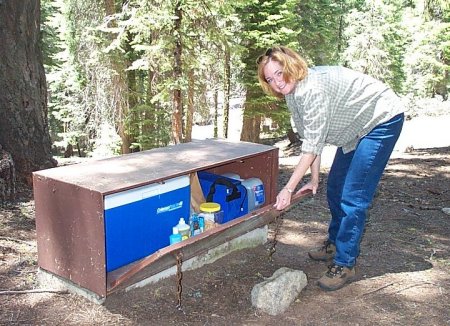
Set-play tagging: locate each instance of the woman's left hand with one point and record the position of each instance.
(312, 185)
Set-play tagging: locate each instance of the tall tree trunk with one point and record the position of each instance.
(251, 128)
(190, 107)
(149, 116)
(119, 87)
(216, 113)
(251, 123)
(23, 96)
(227, 91)
(341, 29)
(132, 92)
(121, 109)
(177, 115)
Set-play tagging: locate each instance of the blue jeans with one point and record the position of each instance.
(352, 182)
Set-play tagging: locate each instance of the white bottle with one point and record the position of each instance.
(183, 229)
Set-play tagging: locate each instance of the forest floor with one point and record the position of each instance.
(403, 272)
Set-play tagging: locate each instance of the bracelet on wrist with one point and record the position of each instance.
(289, 190)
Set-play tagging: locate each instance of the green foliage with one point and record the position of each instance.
(321, 23)
(151, 34)
(111, 75)
(428, 60)
(64, 102)
(49, 33)
(77, 75)
(264, 24)
(428, 73)
(107, 142)
(148, 128)
(376, 42)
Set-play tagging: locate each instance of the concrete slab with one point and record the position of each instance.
(251, 239)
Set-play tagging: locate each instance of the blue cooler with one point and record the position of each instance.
(139, 221)
(228, 192)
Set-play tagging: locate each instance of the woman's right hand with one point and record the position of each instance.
(283, 199)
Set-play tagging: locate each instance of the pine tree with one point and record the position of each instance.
(265, 24)
(375, 41)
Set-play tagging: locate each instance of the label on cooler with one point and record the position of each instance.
(259, 194)
(169, 208)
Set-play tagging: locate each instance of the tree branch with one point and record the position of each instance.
(8, 292)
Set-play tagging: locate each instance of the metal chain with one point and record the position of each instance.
(179, 258)
(278, 222)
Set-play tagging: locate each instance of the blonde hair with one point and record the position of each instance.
(294, 66)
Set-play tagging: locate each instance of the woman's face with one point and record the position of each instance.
(273, 72)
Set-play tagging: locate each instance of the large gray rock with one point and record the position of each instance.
(276, 294)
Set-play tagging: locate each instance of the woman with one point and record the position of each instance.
(353, 111)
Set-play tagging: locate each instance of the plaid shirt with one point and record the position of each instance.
(338, 106)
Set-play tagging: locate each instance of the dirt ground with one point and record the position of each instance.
(403, 272)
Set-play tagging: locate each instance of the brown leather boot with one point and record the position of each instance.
(324, 253)
(336, 277)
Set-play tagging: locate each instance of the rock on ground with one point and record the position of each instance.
(276, 294)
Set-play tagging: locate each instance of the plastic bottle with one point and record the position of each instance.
(183, 229)
(194, 223)
(175, 236)
(201, 223)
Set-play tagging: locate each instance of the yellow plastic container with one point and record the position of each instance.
(210, 207)
(211, 213)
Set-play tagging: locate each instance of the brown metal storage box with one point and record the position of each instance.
(70, 207)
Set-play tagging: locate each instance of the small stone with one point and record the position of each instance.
(278, 292)
(446, 210)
